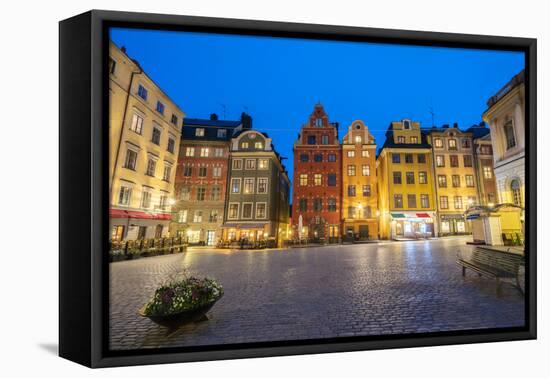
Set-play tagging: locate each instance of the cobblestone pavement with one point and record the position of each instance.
(307, 293)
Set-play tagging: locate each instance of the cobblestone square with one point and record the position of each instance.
(317, 292)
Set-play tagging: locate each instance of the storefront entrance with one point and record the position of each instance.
(210, 237)
(412, 225)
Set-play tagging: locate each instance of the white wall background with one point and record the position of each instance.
(29, 189)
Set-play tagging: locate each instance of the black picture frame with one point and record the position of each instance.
(83, 197)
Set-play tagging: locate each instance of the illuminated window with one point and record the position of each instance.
(366, 170)
(351, 170)
(199, 131)
(137, 124)
(317, 179)
(303, 179)
(248, 186)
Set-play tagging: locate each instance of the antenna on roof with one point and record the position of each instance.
(432, 113)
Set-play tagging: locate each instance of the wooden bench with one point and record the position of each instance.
(495, 264)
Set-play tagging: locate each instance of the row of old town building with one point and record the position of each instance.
(219, 181)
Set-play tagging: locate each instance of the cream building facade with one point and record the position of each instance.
(144, 134)
(506, 118)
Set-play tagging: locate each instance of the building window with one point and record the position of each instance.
(324, 139)
(421, 158)
(318, 122)
(452, 144)
(238, 164)
(487, 172)
(438, 143)
(124, 196)
(235, 185)
(411, 201)
(331, 158)
(202, 171)
(491, 198)
(331, 179)
(456, 181)
(263, 163)
(516, 192)
(440, 160)
(407, 124)
(160, 107)
(397, 177)
(248, 186)
(167, 172)
(302, 204)
(366, 191)
(244, 145)
(472, 201)
(318, 158)
(470, 181)
(216, 171)
(509, 134)
(358, 139)
(311, 139)
(250, 164)
(331, 205)
(137, 124)
(317, 204)
(409, 158)
(185, 192)
(396, 158)
(458, 202)
(142, 92)
(262, 185)
(171, 145)
(197, 216)
(261, 212)
(112, 65)
(304, 158)
(303, 179)
(258, 145)
(163, 201)
(317, 179)
(199, 132)
(174, 119)
(444, 202)
(424, 201)
(414, 139)
(187, 170)
(468, 160)
(218, 152)
(398, 201)
(155, 138)
(146, 199)
(442, 181)
(351, 212)
(213, 218)
(400, 139)
(366, 170)
(365, 153)
(205, 151)
(151, 164)
(409, 177)
(233, 212)
(486, 149)
(351, 190)
(190, 151)
(351, 170)
(201, 193)
(351, 153)
(247, 211)
(454, 160)
(182, 216)
(215, 193)
(466, 143)
(422, 177)
(222, 133)
(131, 159)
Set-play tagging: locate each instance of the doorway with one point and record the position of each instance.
(210, 237)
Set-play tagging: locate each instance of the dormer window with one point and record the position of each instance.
(406, 124)
(319, 122)
(258, 145)
(358, 139)
(199, 131)
(400, 139)
(222, 133)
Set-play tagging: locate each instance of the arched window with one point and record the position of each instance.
(358, 139)
(516, 192)
(406, 124)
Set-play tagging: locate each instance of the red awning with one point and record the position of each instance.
(423, 215)
(117, 213)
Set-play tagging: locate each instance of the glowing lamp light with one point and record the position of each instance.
(171, 202)
(490, 204)
(189, 232)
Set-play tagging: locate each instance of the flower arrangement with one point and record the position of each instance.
(186, 295)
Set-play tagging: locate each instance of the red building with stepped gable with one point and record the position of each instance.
(317, 185)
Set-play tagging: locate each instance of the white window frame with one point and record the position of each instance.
(231, 187)
(251, 210)
(249, 179)
(265, 210)
(136, 117)
(128, 195)
(217, 171)
(199, 132)
(266, 166)
(143, 191)
(189, 151)
(266, 185)
(205, 152)
(253, 165)
(233, 164)
(229, 210)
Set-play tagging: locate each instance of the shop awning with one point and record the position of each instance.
(397, 215)
(423, 215)
(118, 213)
(244, 226)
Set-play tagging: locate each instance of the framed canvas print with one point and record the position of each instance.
(234, 188)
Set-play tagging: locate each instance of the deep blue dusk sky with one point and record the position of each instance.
(279, 80)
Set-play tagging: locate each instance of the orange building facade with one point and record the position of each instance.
(359, 185)
(317, 184)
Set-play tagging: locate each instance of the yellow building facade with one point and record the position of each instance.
(360, 192)
(144, 134)
(406, 193)
(456, 182)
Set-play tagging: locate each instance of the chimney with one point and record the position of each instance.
(455, 125)
(213, 117)
(123, 49)
(482, 124)
(246, 120)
